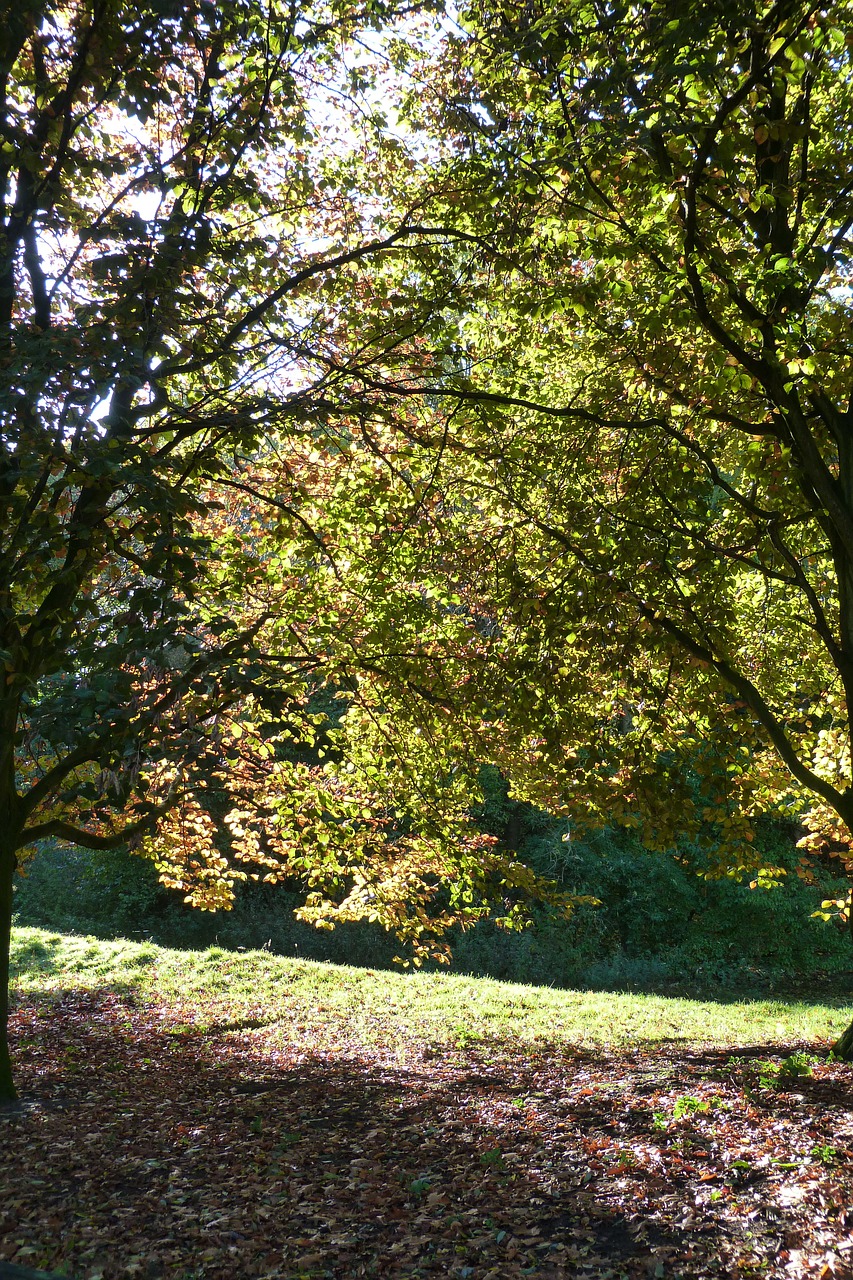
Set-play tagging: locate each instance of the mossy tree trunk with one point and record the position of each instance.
(11, 822)
(843, 1047)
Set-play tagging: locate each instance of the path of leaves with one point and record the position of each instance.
(147, 1151)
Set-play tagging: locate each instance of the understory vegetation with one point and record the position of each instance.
(659, 924)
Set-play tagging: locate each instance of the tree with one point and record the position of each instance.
(132, 179)
(177, 224)
(635, 401)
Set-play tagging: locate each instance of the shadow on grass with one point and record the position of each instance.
(151, 1150)
(671, 971)
(48, 956)
(36, 955)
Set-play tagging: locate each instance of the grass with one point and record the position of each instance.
(221, 1115)
(328, 1006)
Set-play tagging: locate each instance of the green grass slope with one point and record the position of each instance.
(330, 1006)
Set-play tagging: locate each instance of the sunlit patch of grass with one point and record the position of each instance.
(336, 1005)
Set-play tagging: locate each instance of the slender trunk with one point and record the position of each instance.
(843, 1047)
(7, 872)
(11, 822)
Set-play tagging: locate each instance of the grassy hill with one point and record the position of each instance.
(332, 1004)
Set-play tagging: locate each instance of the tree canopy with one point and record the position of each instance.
(630, 410)
(177, 224)
(645, 399)
(519, 417)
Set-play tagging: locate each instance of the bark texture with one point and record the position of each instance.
(7, 872)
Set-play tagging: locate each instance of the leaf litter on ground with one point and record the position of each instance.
(162, 1137)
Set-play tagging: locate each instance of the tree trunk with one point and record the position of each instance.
(843, 1047)
(7, 872)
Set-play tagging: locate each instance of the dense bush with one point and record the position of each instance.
(662, 923)
(69, 887)
(118, 893)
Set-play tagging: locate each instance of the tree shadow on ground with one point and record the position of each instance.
(46, 956)
(37, 955)
(146, 1149)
